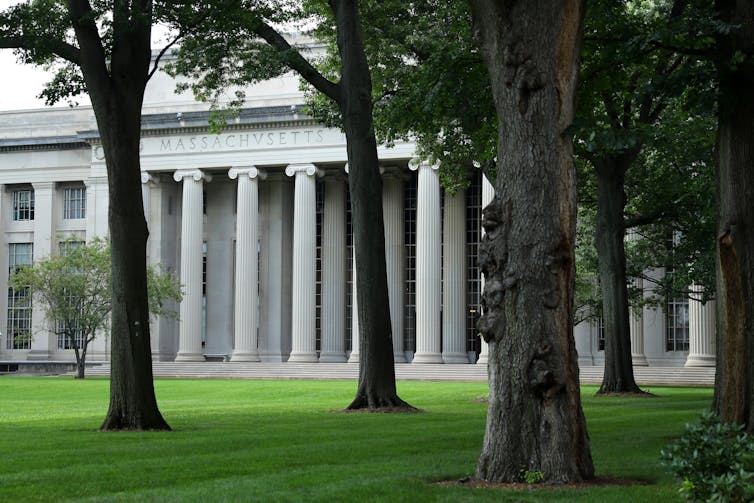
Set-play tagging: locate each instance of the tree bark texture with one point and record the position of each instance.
(734, 379)
(534, 421)
(117, 93)
(609, 239)
(376, 387)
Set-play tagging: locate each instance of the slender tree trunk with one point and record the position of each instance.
(80, 362)
(609, 239)
(535, 421)
(377, 369)
(734, 378)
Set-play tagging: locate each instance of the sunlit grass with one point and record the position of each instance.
(246, 440)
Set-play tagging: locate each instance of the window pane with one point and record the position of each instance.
(19, 300)
(74, 203)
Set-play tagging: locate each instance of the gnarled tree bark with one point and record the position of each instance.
(535, 421)
(734, 378)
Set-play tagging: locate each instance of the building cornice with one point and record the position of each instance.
(170, 124)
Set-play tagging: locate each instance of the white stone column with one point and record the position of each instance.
(192, 217)
(97, 205)
(3, 268)
(44, 340)
(636, 328)
(454, 280)
(702, 330)
(333, 271)
(303, 330)
(395, 254)
(147, 182)
(488, 193)
(354, 356)
(246, 304)
(428, 264)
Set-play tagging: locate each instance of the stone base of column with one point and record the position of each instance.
(455, 358)
(399, 357)
(483, 360)
(189, 357)
(37, 355)
(639, 361)
(272, 357)
(332, 358)
(353, 357)
(700, 361)
(303, 358)
(427, 358)
(244, 357)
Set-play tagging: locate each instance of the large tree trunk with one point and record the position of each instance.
(132, 400)
(609, 239)
(734, 379)
(377, 370)
(535, 421)
(116, 88)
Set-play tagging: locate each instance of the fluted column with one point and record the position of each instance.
(246, 309)
(333, 271)
(395, 250)
(454, 279)
(354, 356)
(637, 332)
(303, 329)
(488, 193)
(701, 330)
(190, 333)
(428, 264)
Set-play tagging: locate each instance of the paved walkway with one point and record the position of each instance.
(645, 376)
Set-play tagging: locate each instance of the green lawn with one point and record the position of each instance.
(244, 440)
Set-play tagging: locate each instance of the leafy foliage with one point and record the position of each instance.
(646, 117)
(714, 460)
(74, 287)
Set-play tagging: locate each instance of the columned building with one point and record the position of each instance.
(256, 222)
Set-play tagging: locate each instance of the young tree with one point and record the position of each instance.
(535, 421)
(105, 51)
(233, 55)
(75, 289)
(734, 379)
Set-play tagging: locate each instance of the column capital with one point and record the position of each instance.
(196, 174)
(416, 163)
(250, 171)
(393, 172)
(149, 178)
(309, 169)
(43, 185)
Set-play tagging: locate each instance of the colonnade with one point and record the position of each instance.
(440, 328)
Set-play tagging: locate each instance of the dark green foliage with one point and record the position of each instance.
(430, 84)
(714, 460)
(646, 112)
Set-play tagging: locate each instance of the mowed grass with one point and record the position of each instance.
(249, 440)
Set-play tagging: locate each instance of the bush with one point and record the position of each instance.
(714, 460)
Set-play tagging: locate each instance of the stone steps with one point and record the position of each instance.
(666, 376)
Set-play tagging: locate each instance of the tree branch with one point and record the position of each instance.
(297, 62)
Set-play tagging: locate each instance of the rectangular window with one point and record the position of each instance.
(74, 203)
(677, 333)
(19, 300)
(69, 245)
(66, 342)
(23, 204)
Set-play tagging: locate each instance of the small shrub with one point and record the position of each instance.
(532, 476)
(714, 460)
